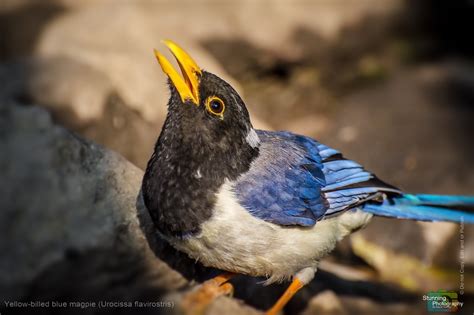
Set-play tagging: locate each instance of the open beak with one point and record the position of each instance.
(188, 84)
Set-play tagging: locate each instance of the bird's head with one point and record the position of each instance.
(203, 108)
(207, 138)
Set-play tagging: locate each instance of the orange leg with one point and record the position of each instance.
(196, 302)
(294, 287)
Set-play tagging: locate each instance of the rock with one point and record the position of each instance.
(85, 103)
(244, 19)
(109, 89)
(327, 303)
(80, 63)
(128, 59)
(228, 306)
(69, 221)
(67, 201)
(75, 100)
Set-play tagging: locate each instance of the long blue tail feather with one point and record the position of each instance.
(426, 208)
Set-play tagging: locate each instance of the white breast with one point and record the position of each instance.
(234, 240)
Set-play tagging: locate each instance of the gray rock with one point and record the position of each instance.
(70, 229)
(62, 198)
(71, 90)
(82, 99)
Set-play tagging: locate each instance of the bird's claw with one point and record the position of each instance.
(201, 297)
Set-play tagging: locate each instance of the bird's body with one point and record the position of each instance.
(232, 237)
(263, 249)
(256, 202)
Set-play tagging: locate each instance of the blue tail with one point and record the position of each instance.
(426, 208)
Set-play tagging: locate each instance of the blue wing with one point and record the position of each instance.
(297, 181)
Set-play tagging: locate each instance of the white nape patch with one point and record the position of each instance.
(198, 174)
(252, 138)
(234, 240)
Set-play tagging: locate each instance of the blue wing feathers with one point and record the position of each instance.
(334, 166)
(284, 184)
(351, 192)
(290, 182)
(346, 182)
(341, 173)
(298, 181)
(325, 152)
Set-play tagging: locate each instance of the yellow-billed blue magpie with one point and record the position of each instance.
(258, 202)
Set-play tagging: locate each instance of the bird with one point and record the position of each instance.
(255, 202)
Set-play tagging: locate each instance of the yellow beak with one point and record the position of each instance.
(188, 84)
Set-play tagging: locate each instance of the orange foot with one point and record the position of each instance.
(198, 300)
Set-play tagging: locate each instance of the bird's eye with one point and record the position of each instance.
(215, 106)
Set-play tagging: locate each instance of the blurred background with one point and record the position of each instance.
(389, 83)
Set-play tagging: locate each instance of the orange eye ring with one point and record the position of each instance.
(215, 106)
